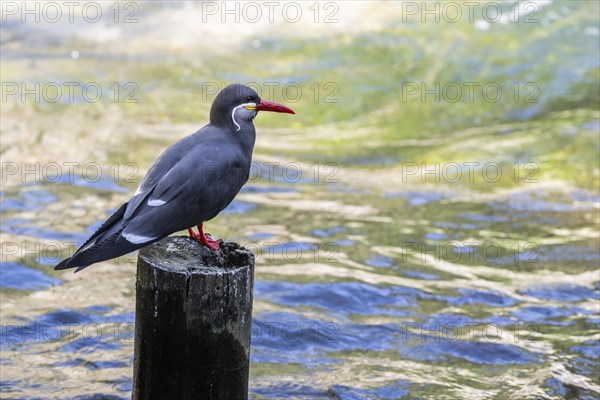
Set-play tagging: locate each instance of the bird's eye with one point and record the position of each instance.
(249, 98)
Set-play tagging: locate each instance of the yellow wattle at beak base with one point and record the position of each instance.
(250, 107)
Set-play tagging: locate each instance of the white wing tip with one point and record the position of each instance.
(137, 239)
(156, 202)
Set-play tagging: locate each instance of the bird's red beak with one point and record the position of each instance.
(270, 106)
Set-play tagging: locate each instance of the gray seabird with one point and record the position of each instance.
(190, 183)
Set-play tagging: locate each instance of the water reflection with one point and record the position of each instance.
(15, 276)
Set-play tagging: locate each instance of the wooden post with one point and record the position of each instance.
(193, 321)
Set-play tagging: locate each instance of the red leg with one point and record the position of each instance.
(204, 238)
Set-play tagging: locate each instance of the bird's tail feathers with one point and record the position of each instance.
(102, 245)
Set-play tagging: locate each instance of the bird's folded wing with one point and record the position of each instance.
(161, 175)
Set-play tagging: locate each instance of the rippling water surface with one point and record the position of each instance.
(405, 248)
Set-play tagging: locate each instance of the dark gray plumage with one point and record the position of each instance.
(190, 183)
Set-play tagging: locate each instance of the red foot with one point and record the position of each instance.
(205, 238)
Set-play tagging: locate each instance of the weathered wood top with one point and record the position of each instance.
(182, 254)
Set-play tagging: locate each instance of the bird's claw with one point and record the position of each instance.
(205, 239)
(211, 243)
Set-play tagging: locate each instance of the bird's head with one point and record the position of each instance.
(238, 103)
